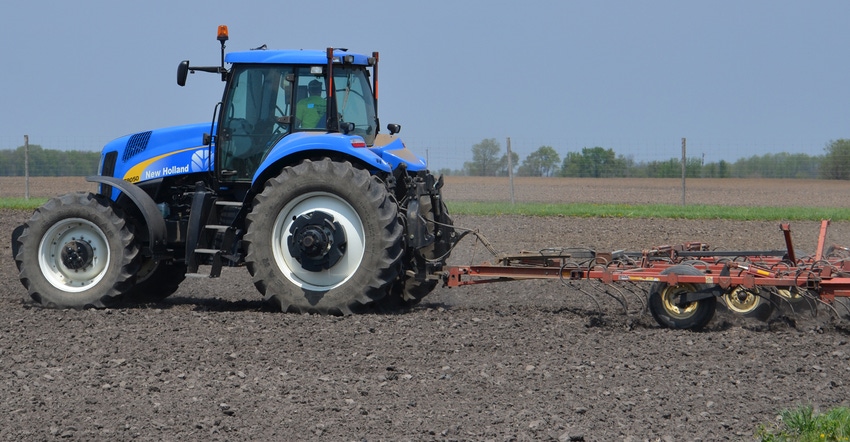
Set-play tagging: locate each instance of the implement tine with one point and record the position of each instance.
(813, 302)
(640, 297)
(830, 306)
(845, 307)
(581, 290)
(620, 297)
(787, 301)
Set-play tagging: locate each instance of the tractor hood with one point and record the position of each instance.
(160, 153)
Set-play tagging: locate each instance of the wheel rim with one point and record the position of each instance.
(741, 300)
(789, 294)
(669, 295)
(73, 255)
(345, 267)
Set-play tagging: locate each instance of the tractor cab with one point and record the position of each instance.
(271, 95)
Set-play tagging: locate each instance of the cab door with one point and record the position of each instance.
(256, 112)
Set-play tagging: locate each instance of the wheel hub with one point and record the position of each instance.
(77, 254)
(742, 300)
(316, 241)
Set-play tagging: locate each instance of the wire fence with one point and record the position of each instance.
(75, 156)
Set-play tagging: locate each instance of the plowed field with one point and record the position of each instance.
(513, 361)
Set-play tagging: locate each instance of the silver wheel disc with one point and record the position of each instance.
(73, 231)
(350, 222)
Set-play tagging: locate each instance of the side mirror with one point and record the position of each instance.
(182, 72)
(394, 128)
(346, 128)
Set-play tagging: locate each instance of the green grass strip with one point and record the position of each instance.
(21, 203)
(587, 210)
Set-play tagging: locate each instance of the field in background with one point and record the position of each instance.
(703, 191)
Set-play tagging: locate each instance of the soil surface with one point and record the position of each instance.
(529, 360)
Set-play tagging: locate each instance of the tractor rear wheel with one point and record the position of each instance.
(76, 251)
(324, 237)
(669, 313)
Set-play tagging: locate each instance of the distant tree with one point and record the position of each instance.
(597, 162)
(722, 169)
(542, 162)
(502, 166)
(836, 162)
(48, 162)
(485, 158)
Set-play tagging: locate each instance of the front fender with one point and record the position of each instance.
(301, 142)
(146, 205)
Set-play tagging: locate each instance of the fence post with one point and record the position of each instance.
(684, 168)
(511, 171)
(26, 167)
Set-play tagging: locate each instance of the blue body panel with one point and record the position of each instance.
(396, 153)
(162, 152)
(318, 141)
(307, 57)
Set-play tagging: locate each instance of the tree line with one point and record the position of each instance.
(48, 162)
(488, 160)
(599, 162)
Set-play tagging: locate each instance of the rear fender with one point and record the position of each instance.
(301, 143)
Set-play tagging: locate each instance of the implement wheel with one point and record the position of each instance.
(324, 237)
(748, 303)
(76, 251)
(668, 313)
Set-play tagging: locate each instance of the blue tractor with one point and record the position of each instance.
(292, 179)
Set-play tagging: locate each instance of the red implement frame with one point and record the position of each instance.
(827, 273)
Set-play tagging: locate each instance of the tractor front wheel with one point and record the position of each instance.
(76, 251)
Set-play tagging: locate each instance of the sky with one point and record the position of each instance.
(735, 78)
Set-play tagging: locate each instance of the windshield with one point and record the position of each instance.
(354, 100)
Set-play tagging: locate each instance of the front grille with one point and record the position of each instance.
(137, 144)
(108, 169)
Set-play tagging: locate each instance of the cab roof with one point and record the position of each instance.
(293, 56)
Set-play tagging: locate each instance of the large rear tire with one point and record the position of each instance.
(662, 302)
(76, 251)
(324, 237)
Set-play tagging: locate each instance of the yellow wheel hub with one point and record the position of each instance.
(742, 300)
(669, 296)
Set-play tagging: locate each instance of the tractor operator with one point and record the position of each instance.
(312, 109)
